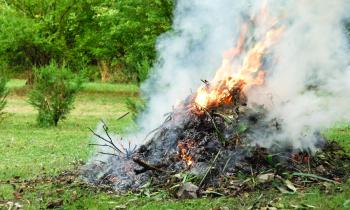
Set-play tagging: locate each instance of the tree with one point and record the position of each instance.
(115, 35)
(125, 32)
(34, 32)
(3, 95)
(19, 41)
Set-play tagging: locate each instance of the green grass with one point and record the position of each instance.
(341, 134)
(16, 83)
(27, 151)
(18, 87)
(109, 87)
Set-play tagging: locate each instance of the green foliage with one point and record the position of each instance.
(33, 32)
(127, 32)
(242, 127)
(19, 42)
(53, 93)
(3, 89)
(135, 106)
(142, 70)
(3, 95)
(81, 33)
(90, 73)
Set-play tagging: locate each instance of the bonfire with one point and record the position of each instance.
(210, 139)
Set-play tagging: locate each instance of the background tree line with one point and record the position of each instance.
(58, 43)
(106, 39)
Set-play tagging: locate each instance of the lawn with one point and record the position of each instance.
(29, 152)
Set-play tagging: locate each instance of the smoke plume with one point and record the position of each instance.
(308, 84)
(308, 78)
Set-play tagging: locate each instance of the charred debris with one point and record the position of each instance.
(199, 152)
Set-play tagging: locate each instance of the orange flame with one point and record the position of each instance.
(183, 154)
(249, 73)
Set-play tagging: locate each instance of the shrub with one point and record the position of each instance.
(53, 93)
(143, 70)
(90, 73)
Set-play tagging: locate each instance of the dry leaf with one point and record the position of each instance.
(290, 185)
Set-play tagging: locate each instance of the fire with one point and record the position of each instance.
(242, 66)
(184, 152)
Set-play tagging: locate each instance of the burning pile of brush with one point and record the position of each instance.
(210, 138)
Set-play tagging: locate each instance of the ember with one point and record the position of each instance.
(185, 148)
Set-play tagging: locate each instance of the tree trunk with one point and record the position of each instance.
(103, 65)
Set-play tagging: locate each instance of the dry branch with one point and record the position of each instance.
(148, 166)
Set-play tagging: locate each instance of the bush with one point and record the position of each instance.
(3, 95)
(53, 93)
(90, 73)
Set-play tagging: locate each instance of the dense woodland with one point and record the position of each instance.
(111, 40)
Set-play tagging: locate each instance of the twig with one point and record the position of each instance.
(206, 82)
(152, 131)
(101, 161)
(102, 145)
(257, 201)
(128, 151)
(315, 177)
(210, 117)
(108, 141)
(221, 137)
(105, 128)
(147, 165)
(210, 167)
(124, 115)
(167, 119)
(228, 160)
(291, 159)
(106, 153)
(226, 119)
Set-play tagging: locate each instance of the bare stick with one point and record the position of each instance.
(206, 82)
(209, 169)
(152, 131)
(101, 161)
(167, 119)
(106, 140)
(315, 177)
(105, 128)
(102, 145)
(221, 137)
(106, 153)
(147, 165)
(124, 115)
(228, 160)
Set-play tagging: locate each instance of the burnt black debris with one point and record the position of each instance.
(214, 147)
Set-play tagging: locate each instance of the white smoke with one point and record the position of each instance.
(308, 85)
(309, 82)
(202, 31)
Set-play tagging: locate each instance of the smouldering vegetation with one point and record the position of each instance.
(31, 152)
